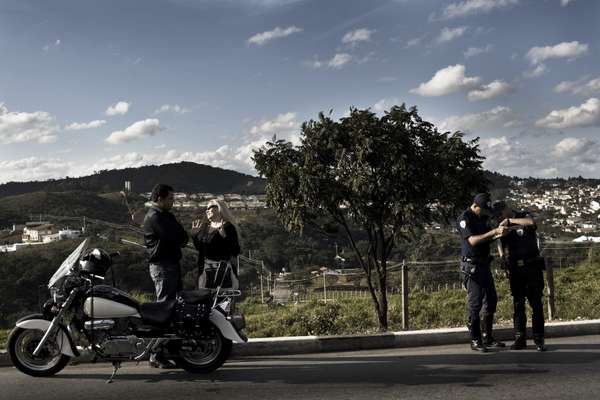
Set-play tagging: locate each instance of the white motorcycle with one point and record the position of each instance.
(85, 315)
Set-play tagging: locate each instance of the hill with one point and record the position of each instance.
(184, 177)
(25, 207)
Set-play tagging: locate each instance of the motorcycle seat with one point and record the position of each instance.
(195, 296)
(157, 313)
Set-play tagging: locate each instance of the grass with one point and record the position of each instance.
(577, 297)
(3, 337)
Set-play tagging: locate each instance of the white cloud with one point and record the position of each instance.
(447, 80)
(471, 7)
(33, 168)
(537, 55)
(56, 43)
(565, 3)
(537, 71)
(138, 130)
(260, 39)
(18, 127)
(574, 147)
(589, 88)
(357, 36)
(176, 108)
(587, 114)
(413, 42)
(489, 91)
(448, 34)
(75, 126)
(283, 123)
(475, 51)
(385, 104)
(119, 108)
(336, 62)
(497, 117)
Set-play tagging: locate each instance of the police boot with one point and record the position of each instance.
(539, 343)
(477, 345)
(520, 342)
(488, 339)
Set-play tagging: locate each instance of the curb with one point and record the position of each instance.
(426, 337)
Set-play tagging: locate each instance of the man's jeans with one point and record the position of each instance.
(167, 280)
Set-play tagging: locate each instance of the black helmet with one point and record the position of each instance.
(96, 262)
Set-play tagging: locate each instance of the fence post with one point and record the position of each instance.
(404, 296)
(551, 303)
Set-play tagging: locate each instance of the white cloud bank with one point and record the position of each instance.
(136, 131)
(260, 39)
(584, 115)
(19, 127)
(33, 168)
(497, 117)
(447, 80)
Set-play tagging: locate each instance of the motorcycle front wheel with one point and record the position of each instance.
(202, 355)
(22, 343)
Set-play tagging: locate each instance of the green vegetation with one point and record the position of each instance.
(386, 176)
(577, 297)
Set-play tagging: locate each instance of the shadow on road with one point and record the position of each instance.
(395, 369)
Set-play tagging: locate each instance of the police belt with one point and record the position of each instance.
(477, 260)
(521, 262)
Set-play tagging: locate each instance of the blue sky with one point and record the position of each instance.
(90, 85)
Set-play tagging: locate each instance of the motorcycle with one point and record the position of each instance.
(85, 315)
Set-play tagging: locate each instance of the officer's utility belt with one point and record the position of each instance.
(538, 261)
(477, 260)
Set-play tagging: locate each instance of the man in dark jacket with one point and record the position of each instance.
(164, 237)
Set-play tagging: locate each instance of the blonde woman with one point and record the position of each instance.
(217, 243)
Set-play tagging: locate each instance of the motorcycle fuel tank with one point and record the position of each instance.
(108, 302)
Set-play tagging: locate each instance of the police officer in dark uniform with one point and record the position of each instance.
(476, 234)
(521, 256)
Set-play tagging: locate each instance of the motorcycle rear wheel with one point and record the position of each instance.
(202, 356)
(22, 343)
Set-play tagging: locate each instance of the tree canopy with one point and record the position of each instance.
(388, 175)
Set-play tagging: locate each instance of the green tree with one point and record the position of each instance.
(387, 175)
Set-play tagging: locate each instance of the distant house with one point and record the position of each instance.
(68, 234)
(35, 233)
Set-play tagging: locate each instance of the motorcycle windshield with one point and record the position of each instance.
(67, 264)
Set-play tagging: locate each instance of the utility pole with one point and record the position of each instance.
(324, 287)
(262, 293)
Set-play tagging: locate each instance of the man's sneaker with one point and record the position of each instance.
(158, 360)
(492, 343)
(519, 344)
(477, 345)
(539, 345)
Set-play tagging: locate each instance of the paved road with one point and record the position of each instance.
(569, 370)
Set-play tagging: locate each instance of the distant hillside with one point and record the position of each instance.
(25, 207)
(184, 177)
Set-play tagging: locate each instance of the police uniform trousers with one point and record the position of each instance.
(527, 282)
(481, 294)
(166, 276)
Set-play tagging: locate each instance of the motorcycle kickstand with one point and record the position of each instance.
(116, 366)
